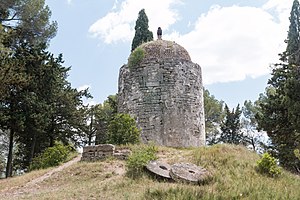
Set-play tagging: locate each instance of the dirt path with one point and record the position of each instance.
(32, 186)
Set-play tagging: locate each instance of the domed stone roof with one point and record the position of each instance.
(164, 49)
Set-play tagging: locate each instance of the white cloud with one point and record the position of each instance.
(232, 43)
(69, 1)
(118, 24)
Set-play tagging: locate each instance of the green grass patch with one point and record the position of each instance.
(141, 155)
(233, 167)
(136, 57)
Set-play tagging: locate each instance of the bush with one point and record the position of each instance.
(51, 157)
(122, 130)
(267, 165)
(140, 157)
(297, 153)
(136, 57)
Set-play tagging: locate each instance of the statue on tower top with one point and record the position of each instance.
(159, 33)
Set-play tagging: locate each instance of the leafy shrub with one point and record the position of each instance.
(52, 156)
(136, 57)
(297, 153)
(122, 130)
(267, 165)
(139, 158)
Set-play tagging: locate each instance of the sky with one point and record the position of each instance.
(234, 41)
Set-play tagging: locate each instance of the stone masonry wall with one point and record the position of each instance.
(103, 151)
(165, 95)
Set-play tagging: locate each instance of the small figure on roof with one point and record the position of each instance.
(159, 33)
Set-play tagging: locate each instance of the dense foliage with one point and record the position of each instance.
(142, 34)
(214, 115)
(231, 126)
(52, 156)
(37, 104)
(140, 157)
(280, 106)
(100, 116)
(268, 165)
(136, 57)
(122, 130)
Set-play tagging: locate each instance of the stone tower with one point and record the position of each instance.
(164, 92)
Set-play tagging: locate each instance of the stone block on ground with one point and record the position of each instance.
(160, 169)
(189, 173)
(122, 154)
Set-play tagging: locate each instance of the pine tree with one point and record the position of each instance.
(38, 106)
(142, 34)
(280, 107)
(231, 126)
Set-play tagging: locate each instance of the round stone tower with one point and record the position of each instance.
(162, 89)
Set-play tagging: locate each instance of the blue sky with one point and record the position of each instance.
(234, 41)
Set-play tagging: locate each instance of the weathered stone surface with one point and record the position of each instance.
(100, 147)
(164, 92)
(189, 173)
(102, 151)
(122, 154)
(159, 168)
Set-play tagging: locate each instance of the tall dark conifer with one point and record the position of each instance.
(231, 126)
(37, 104)
(280, 107)
(142, 34)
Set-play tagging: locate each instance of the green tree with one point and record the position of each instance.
(27, 20)
(214, 115)
(249, 126)
(280, 106)
(142, 34)
(90, 129)
(52, 156)
(21, 21)
(231, 126)
(122, 130)
(104, 114)
(50, 109)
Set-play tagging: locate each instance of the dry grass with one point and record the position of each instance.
(233, 168)
(18, 181)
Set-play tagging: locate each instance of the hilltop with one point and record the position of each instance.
(233, 167)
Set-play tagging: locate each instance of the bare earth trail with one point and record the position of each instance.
(32, 186)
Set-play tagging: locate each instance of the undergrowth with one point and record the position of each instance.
(141, 155)
(52, 156)
(233, 168)
(267, 165)
(136, 57)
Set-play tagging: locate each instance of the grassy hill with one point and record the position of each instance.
(233, 167)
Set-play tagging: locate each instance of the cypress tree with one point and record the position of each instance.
(280, 107)
(142, 34)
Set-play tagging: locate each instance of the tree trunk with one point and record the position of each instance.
(8, 172)
(253, 144)
(51, 132)
(90, 131)
(51, 142)
(32, 148)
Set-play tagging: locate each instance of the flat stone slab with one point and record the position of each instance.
(100, 147)
(159, 168)
(189, 173)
